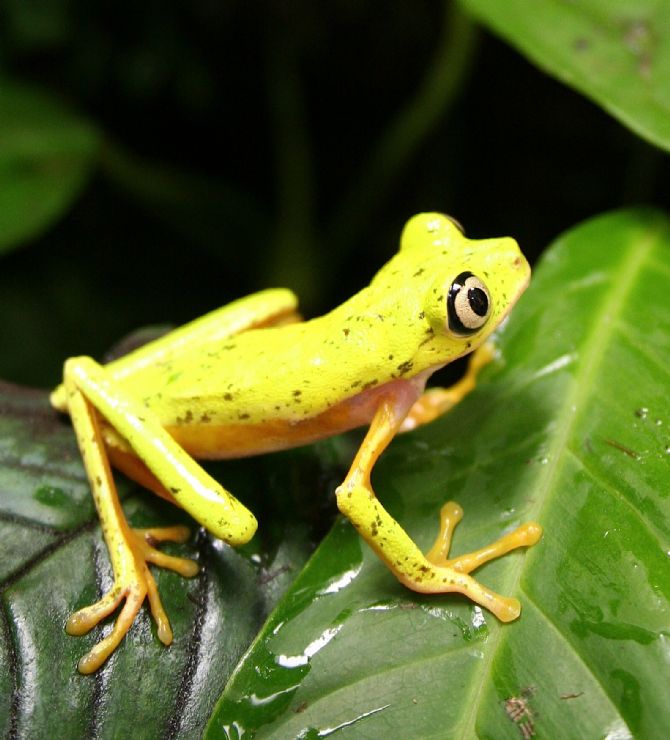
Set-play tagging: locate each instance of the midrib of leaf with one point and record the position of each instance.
(595, 344)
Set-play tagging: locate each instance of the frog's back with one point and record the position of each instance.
(289, 372)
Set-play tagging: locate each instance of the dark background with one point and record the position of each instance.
(237, 137)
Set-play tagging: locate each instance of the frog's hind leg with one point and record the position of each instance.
(124, 459)
(129, 552)
(89, 392)
(186, 481)
(273, 307)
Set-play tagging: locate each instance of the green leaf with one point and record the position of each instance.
(571, 427)
(46, 153)
(612, 51)
(53, 561)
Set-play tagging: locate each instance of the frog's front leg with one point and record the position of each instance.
(437, 401)
(89, 389)
(431, 573)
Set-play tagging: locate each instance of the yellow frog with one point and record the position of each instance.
(252, 378)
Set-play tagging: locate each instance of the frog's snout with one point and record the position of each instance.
(516, 260)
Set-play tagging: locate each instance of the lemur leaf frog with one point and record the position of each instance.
(253, 377)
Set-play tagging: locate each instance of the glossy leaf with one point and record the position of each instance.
(570, 426)
(46, 152)
(53, 561)
(613, 51)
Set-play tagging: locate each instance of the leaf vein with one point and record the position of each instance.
(620, 495)
(641, 348)
(15, 463)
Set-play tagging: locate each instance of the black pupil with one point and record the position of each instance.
(478, 301)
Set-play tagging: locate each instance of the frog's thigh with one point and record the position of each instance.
(123, 458)
(196, 491)
(437, 401)
(356, 499)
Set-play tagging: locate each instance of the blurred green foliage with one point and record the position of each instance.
(186, 153)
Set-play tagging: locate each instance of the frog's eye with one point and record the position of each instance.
(468, 304)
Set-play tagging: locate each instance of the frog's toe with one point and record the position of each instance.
(133, 589)
(85, 619)
(431, 579)
(524, 536)
(506, 608)
(153, 535)
(450, 515)
(442, 574)
(148, 538)
(133, 582)
(103, 649)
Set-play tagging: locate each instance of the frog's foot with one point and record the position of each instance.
(147, 539)
(133, 582)
(450, 574)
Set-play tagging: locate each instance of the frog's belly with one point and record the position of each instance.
(215, 441)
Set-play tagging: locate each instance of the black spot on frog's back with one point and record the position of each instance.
(405, 367)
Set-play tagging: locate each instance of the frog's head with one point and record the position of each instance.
(471, 285)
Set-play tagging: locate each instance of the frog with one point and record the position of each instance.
(253, 377)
